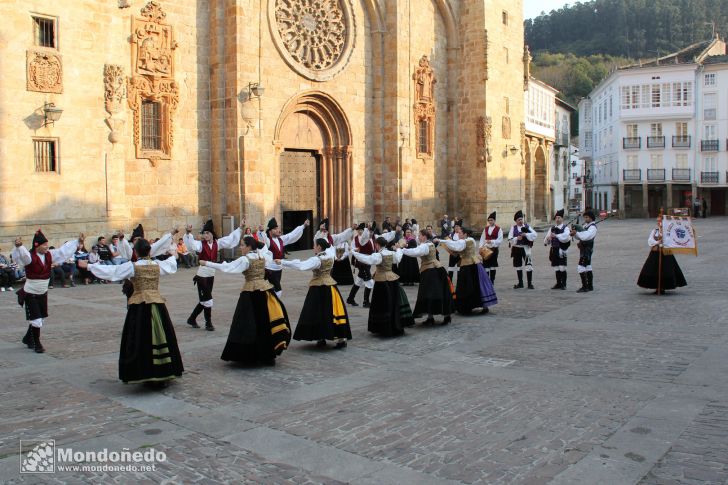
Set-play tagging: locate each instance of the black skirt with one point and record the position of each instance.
(341, 272)
(390, 311)
(257, 334)
(473, 289)
(408, 270)
(149, 350)
(320, 318)
(672, 275)
(492, 261)
(433, 296)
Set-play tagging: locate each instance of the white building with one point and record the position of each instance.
(576, 180)
(560, 156)
(643, 135)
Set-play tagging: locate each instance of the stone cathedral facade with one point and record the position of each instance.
(115, 112)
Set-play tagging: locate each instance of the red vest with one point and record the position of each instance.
(39, 269)
(490, 237)
(278, 253)
(367, 248)
(330, 239)
(209, 253)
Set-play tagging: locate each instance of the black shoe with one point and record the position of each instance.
(209, 327)
(192, 323)
(530, 287)
(429, 321)
(39, 349)
(446, 320)
(340, 345)
(352, 303)
(321, 343)
(557, 286)
(365, 304)
(583, 289)
(28, 338)
(484, 311)
(518, 285)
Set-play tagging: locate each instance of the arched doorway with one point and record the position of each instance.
(313, 138)
(539, 185)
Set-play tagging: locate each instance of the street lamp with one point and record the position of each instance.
(51, 114)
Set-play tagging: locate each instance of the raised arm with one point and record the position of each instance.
(113, 273)
(389, 236)
(342, 236)
(20, 255)
(313, 262)
(370, 259)
(232, 240)
(160, 247)
(365, 236)
(237, 266)
(125, 249)
(294, 235)
(64, 252)
(455, 246)
(191, 243)
(419, 251)
(167, 266)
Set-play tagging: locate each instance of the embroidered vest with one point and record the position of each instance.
(384, 269)
(429, 261)
(555, 243)
(39, 267)
(278, 252)
(255, 276)
(209, 253)
(322, 274)
(469, 255)
(146, 284)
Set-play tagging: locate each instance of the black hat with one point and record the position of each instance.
(39, 239)
(361, 226)
(325, 222)
(590, 213)
(559, 213)
(137, 232)
(491, 215)
(208, 227)
(272, 223)
(518, 215)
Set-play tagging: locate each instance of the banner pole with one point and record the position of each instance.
(659, 257)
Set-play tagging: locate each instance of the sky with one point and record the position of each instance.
(533, 8)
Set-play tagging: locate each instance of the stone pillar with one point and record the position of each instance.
(621, 201)
(645, 200)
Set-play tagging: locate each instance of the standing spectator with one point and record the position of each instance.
(17, 260)
(387, 224)
(445, 227)
(705, 208)
(104, 252)
(183, 254)
(7, 274)
(696, 206)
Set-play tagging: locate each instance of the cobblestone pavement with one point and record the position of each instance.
(615, 387)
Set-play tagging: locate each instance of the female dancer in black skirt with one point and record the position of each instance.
(474, 288)
(407, 269)
(671, 276)
(323, 316)
(149, 351)
(390, 310)
(433, 296)
(341, 271)
(260, 330)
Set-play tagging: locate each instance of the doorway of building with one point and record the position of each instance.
(300, 193)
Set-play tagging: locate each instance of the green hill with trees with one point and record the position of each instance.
(576, 46)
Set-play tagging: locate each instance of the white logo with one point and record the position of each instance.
(39, 456)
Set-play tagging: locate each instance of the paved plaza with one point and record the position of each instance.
(616, 387)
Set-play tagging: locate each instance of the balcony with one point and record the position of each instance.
(634, 175)
(655, 142)
(632, 143)
(681, 174)
(681, 141)
(655, 174)
(709, 177)
(709, 145)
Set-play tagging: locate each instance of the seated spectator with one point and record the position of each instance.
(104, 252)
(93, 258)
(65, 271)
(7, 273)
(81, 254)
(183, 254)
(116, 257)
